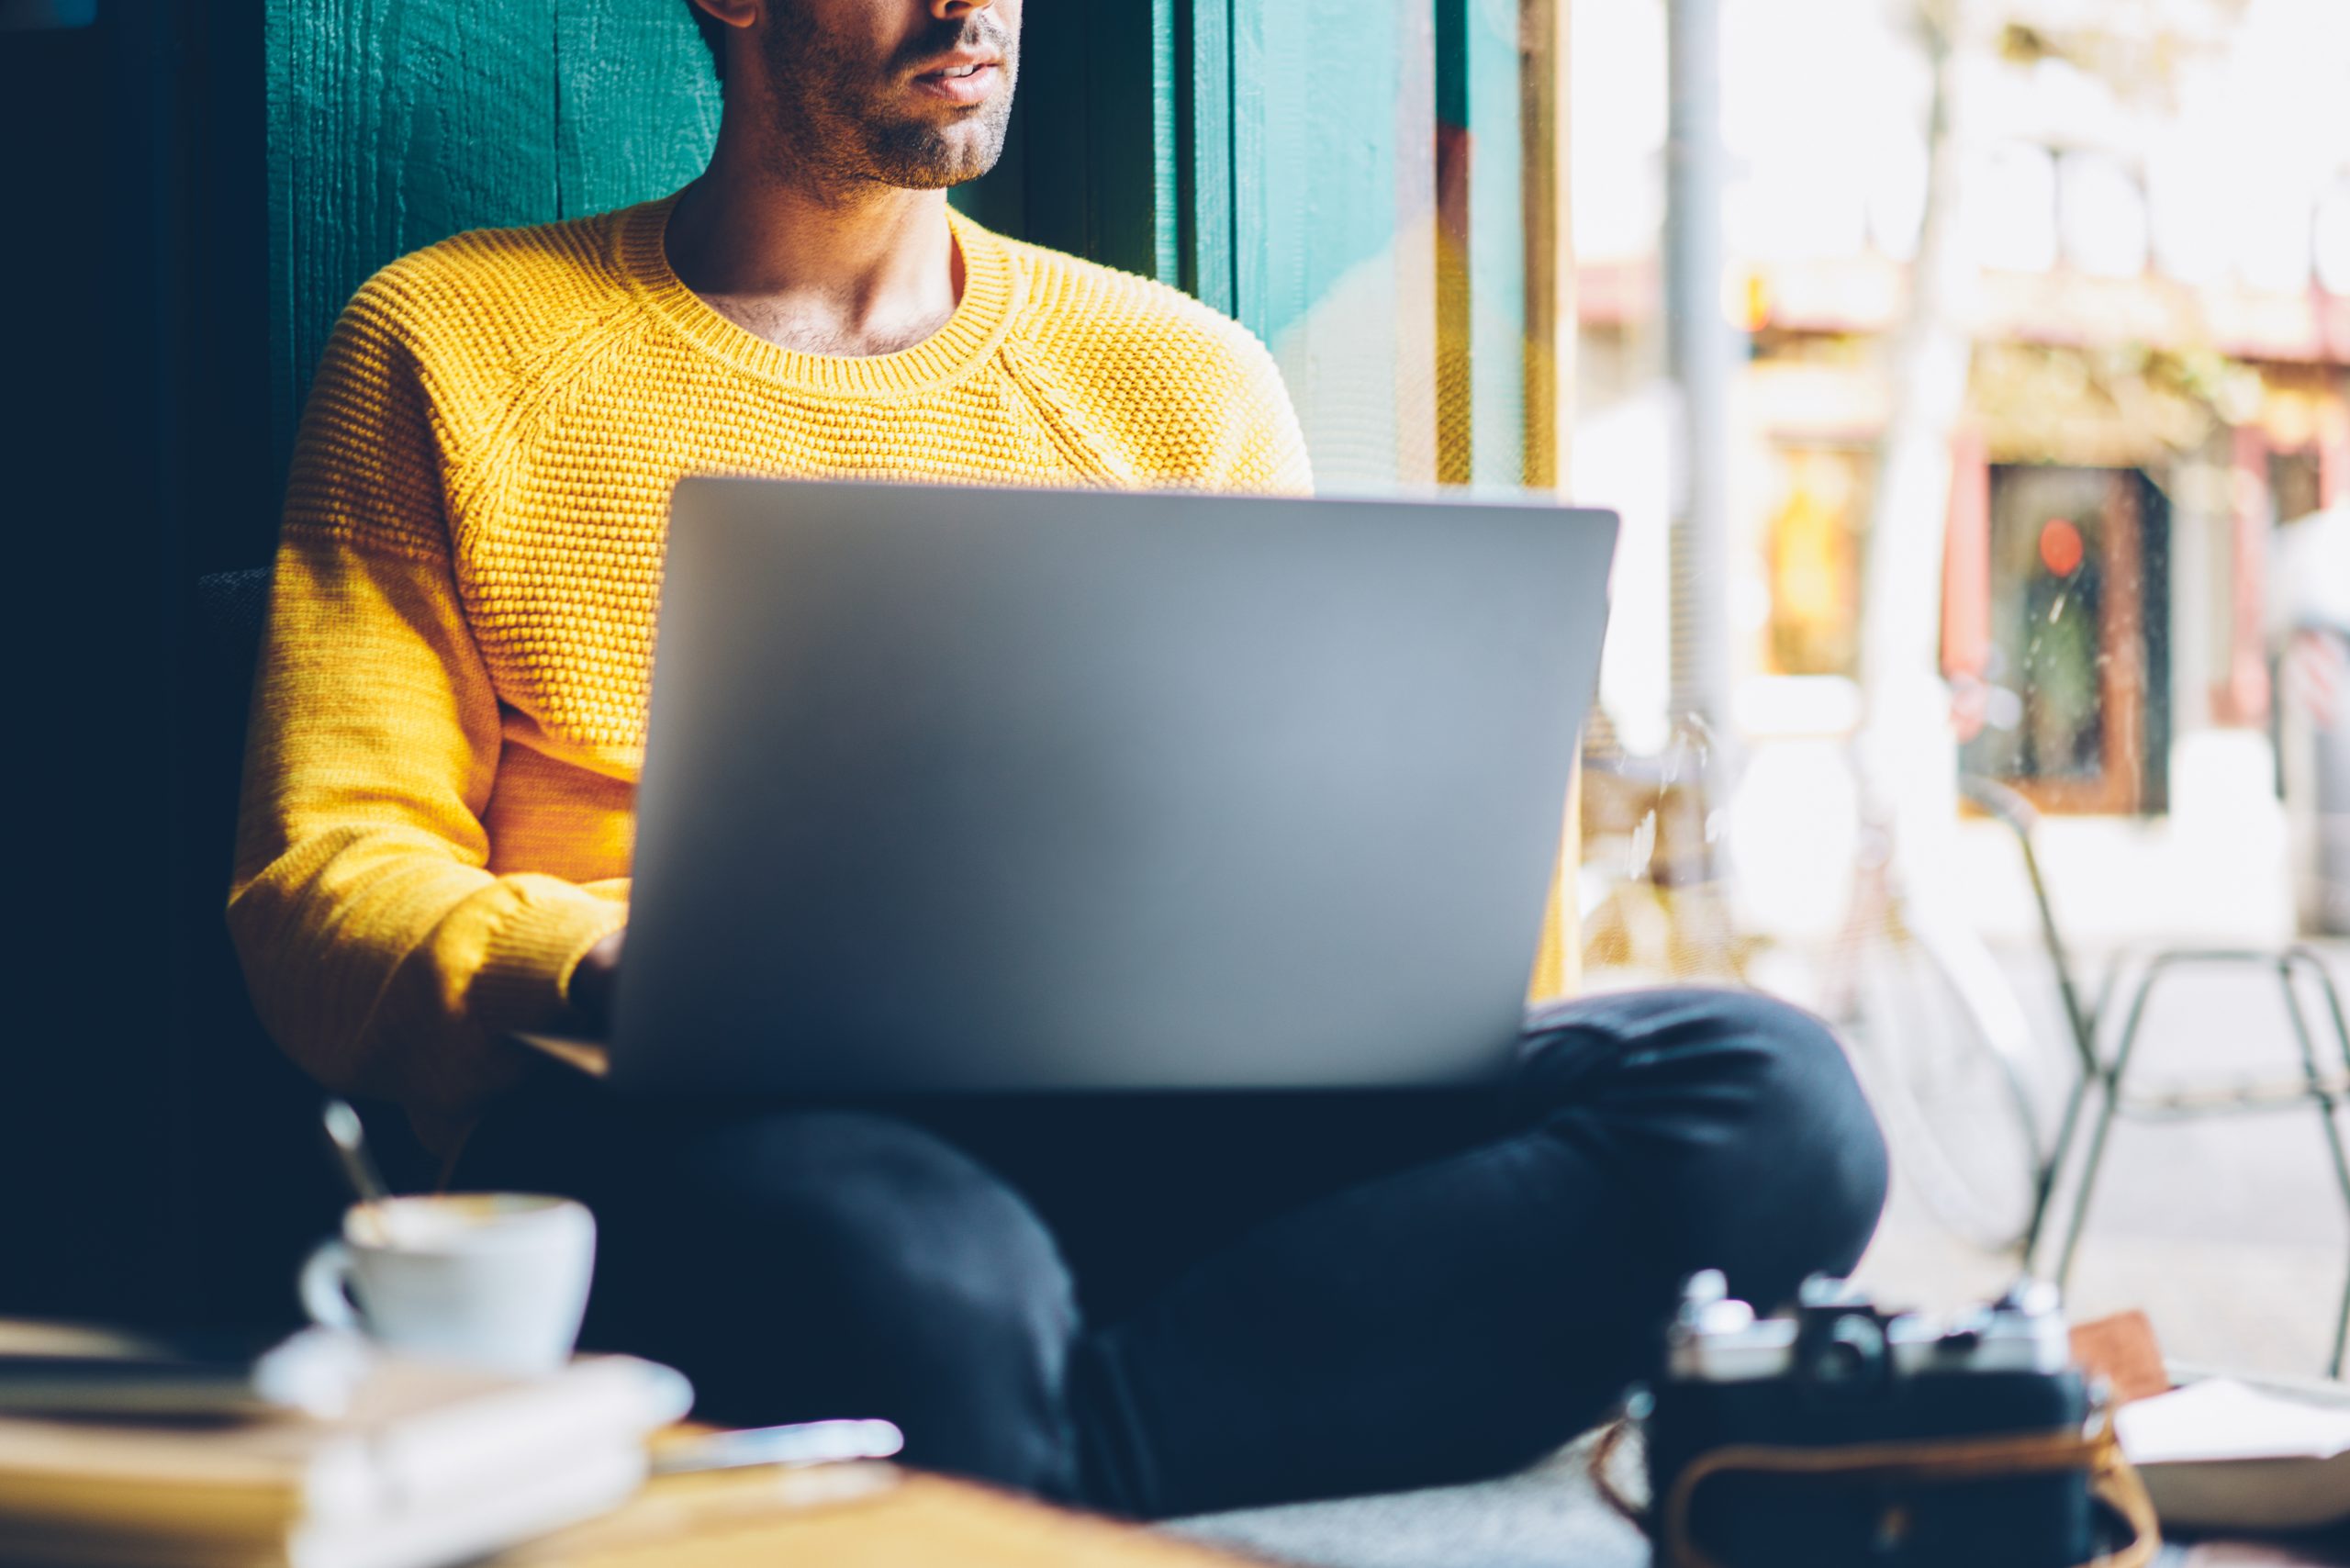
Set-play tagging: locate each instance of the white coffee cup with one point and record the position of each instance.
(498, 1280)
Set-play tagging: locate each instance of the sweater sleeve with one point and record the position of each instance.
(1264, 448)
(381, 952)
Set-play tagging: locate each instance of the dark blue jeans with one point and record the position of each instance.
(1172, 1303)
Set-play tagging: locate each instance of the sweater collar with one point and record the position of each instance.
(971, 334)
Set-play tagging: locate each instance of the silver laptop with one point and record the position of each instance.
(962, 788)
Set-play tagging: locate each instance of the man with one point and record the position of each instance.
(1151, 1304)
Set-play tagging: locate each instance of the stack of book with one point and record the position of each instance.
(319, 1454)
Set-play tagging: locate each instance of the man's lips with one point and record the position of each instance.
(961, 79)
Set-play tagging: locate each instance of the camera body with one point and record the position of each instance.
(1837, 1374)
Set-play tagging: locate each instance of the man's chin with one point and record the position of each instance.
(933, 157)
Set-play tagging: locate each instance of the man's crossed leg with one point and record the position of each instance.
(1175, 1304)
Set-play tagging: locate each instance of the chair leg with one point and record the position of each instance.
(2110, 1081)
(2327, 1105)
(2326, 988)
(2342, 1333)
(2080, 1215)
(2327, 1101)
(2059, 1152)
(2110, 1078)
(2089, 1074)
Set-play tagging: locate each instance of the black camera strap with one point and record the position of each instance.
(1935, 1462)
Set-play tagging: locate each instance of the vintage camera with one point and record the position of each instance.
(1838, 1433)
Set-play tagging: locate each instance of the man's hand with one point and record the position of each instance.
(591, 990)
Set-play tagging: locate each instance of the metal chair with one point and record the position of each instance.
(2298, 971)
(2319, 1085)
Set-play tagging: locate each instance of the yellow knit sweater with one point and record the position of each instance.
(439, 786)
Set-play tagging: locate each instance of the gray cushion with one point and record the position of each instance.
(1549, 1517)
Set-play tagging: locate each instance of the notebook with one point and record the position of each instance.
(427, 1464)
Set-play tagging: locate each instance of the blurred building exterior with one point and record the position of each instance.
(2155, 214)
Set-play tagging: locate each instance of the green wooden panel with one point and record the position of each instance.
(636, 105)
(1482, 310)
(391, 125)
(1333, 144)
(1168, 69)
(1129, 82)
(1203, 145)
(1053, 172)
(1090, 166)
(1252, 241)
(1317, 160)
(1496, 242)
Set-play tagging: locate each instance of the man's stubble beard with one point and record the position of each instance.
(826, 126)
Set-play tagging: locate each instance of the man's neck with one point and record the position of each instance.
(834, 269)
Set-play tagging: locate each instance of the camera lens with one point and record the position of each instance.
(1848, 1351)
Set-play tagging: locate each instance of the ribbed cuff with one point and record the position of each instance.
(527, 966)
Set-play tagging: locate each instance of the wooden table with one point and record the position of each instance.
(876, 1516)
(2331, 1550)
(863, 1516)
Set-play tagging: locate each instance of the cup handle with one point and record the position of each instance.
(326, 1287)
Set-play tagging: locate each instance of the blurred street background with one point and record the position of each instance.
(1974, 378)
(2229, 1233)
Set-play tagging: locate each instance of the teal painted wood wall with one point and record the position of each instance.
(1277, 157)
(395, 123)
(1334, 182)
(1478, 101)
(1090, 166)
